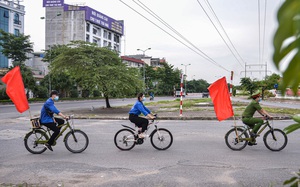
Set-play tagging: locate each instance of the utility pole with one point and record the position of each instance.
(185, 88)
(144, 66)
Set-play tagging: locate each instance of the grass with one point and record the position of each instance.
(187, 103)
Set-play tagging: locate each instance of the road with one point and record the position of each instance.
(9, 111)
(198, 157)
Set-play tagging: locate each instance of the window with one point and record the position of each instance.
(87, 27)
(104, 43)
(116, 38)
(109, 35)
(87, 38)
(97, 41)
(6, 15)
(94, 31)
(17, 19)
(105, 34)
(17, 32)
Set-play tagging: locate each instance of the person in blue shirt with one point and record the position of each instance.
(48, 119)
(136, 110)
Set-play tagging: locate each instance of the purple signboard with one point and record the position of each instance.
(98, 18)
(53, 3)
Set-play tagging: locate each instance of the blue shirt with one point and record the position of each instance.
(49, 105)
(139, 108)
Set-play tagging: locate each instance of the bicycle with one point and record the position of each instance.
(76, 141)
(126, 138)
(238, 137)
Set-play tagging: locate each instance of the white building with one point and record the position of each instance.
(11, 21)
(65, 23)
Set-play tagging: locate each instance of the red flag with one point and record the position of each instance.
(15, 89)
(220, 96)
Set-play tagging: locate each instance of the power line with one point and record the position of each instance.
(219, 32)
(212, 10)
(174, 37)
(147, 9)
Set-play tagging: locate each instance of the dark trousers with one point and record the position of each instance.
(54, 128)
(138, 121)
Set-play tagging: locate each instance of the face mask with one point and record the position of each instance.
(144, 99)
(56, 98)
(259, 100)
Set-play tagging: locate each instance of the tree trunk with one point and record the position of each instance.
(107, 102)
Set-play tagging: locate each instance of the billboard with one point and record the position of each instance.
(53, 3)
(98, 18)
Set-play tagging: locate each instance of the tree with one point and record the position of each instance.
(249, 85)
(60, 81)
(287, 43)
(96, 68)
(168, 78)
(15, 47)
(197, 86)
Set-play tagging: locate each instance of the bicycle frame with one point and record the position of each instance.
(247, 128)
(135, 130)
(48, 131)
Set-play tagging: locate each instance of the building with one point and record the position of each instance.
(11, 21)
(132, 62)
(65, 23)
(154, 62)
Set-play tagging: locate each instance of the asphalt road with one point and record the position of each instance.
(198, 157)
(9, 111)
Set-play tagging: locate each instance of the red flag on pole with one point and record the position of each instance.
(220, 96)
(15, 89)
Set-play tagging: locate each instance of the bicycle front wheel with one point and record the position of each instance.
(31, 141)
(124, 139)
(235, 139)
(76, 141)
(275, 140)
(161, 139)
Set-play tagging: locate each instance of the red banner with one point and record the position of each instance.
(220, 96)
(15, 89)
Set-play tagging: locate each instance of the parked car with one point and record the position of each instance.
(205, 94)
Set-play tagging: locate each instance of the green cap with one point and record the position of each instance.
(255, 94)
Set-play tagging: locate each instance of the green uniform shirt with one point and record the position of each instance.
(251, 109)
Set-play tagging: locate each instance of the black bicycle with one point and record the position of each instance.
(238, 137)
(126, 138)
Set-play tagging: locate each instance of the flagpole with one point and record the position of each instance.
(235, 128)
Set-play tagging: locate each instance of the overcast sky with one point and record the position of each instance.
(238, 17)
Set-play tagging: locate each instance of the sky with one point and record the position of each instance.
(239, 18)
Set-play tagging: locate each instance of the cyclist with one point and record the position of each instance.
(248, 119)
(136, 110)
(48, 120)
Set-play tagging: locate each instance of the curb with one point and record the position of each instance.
(172, 118)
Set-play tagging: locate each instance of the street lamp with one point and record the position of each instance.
(144, 64)
(185, 65)
(58, 14)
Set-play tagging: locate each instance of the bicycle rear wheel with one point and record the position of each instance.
(76, 141)
(276, 140)
(234, 139)
(161, 139)
(124, 139)
(31, 141)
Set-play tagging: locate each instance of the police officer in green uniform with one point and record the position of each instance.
(248, 119)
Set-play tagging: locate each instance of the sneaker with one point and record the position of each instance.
(254, 135)
(48, 146)
(142, 135)
(252, 143)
